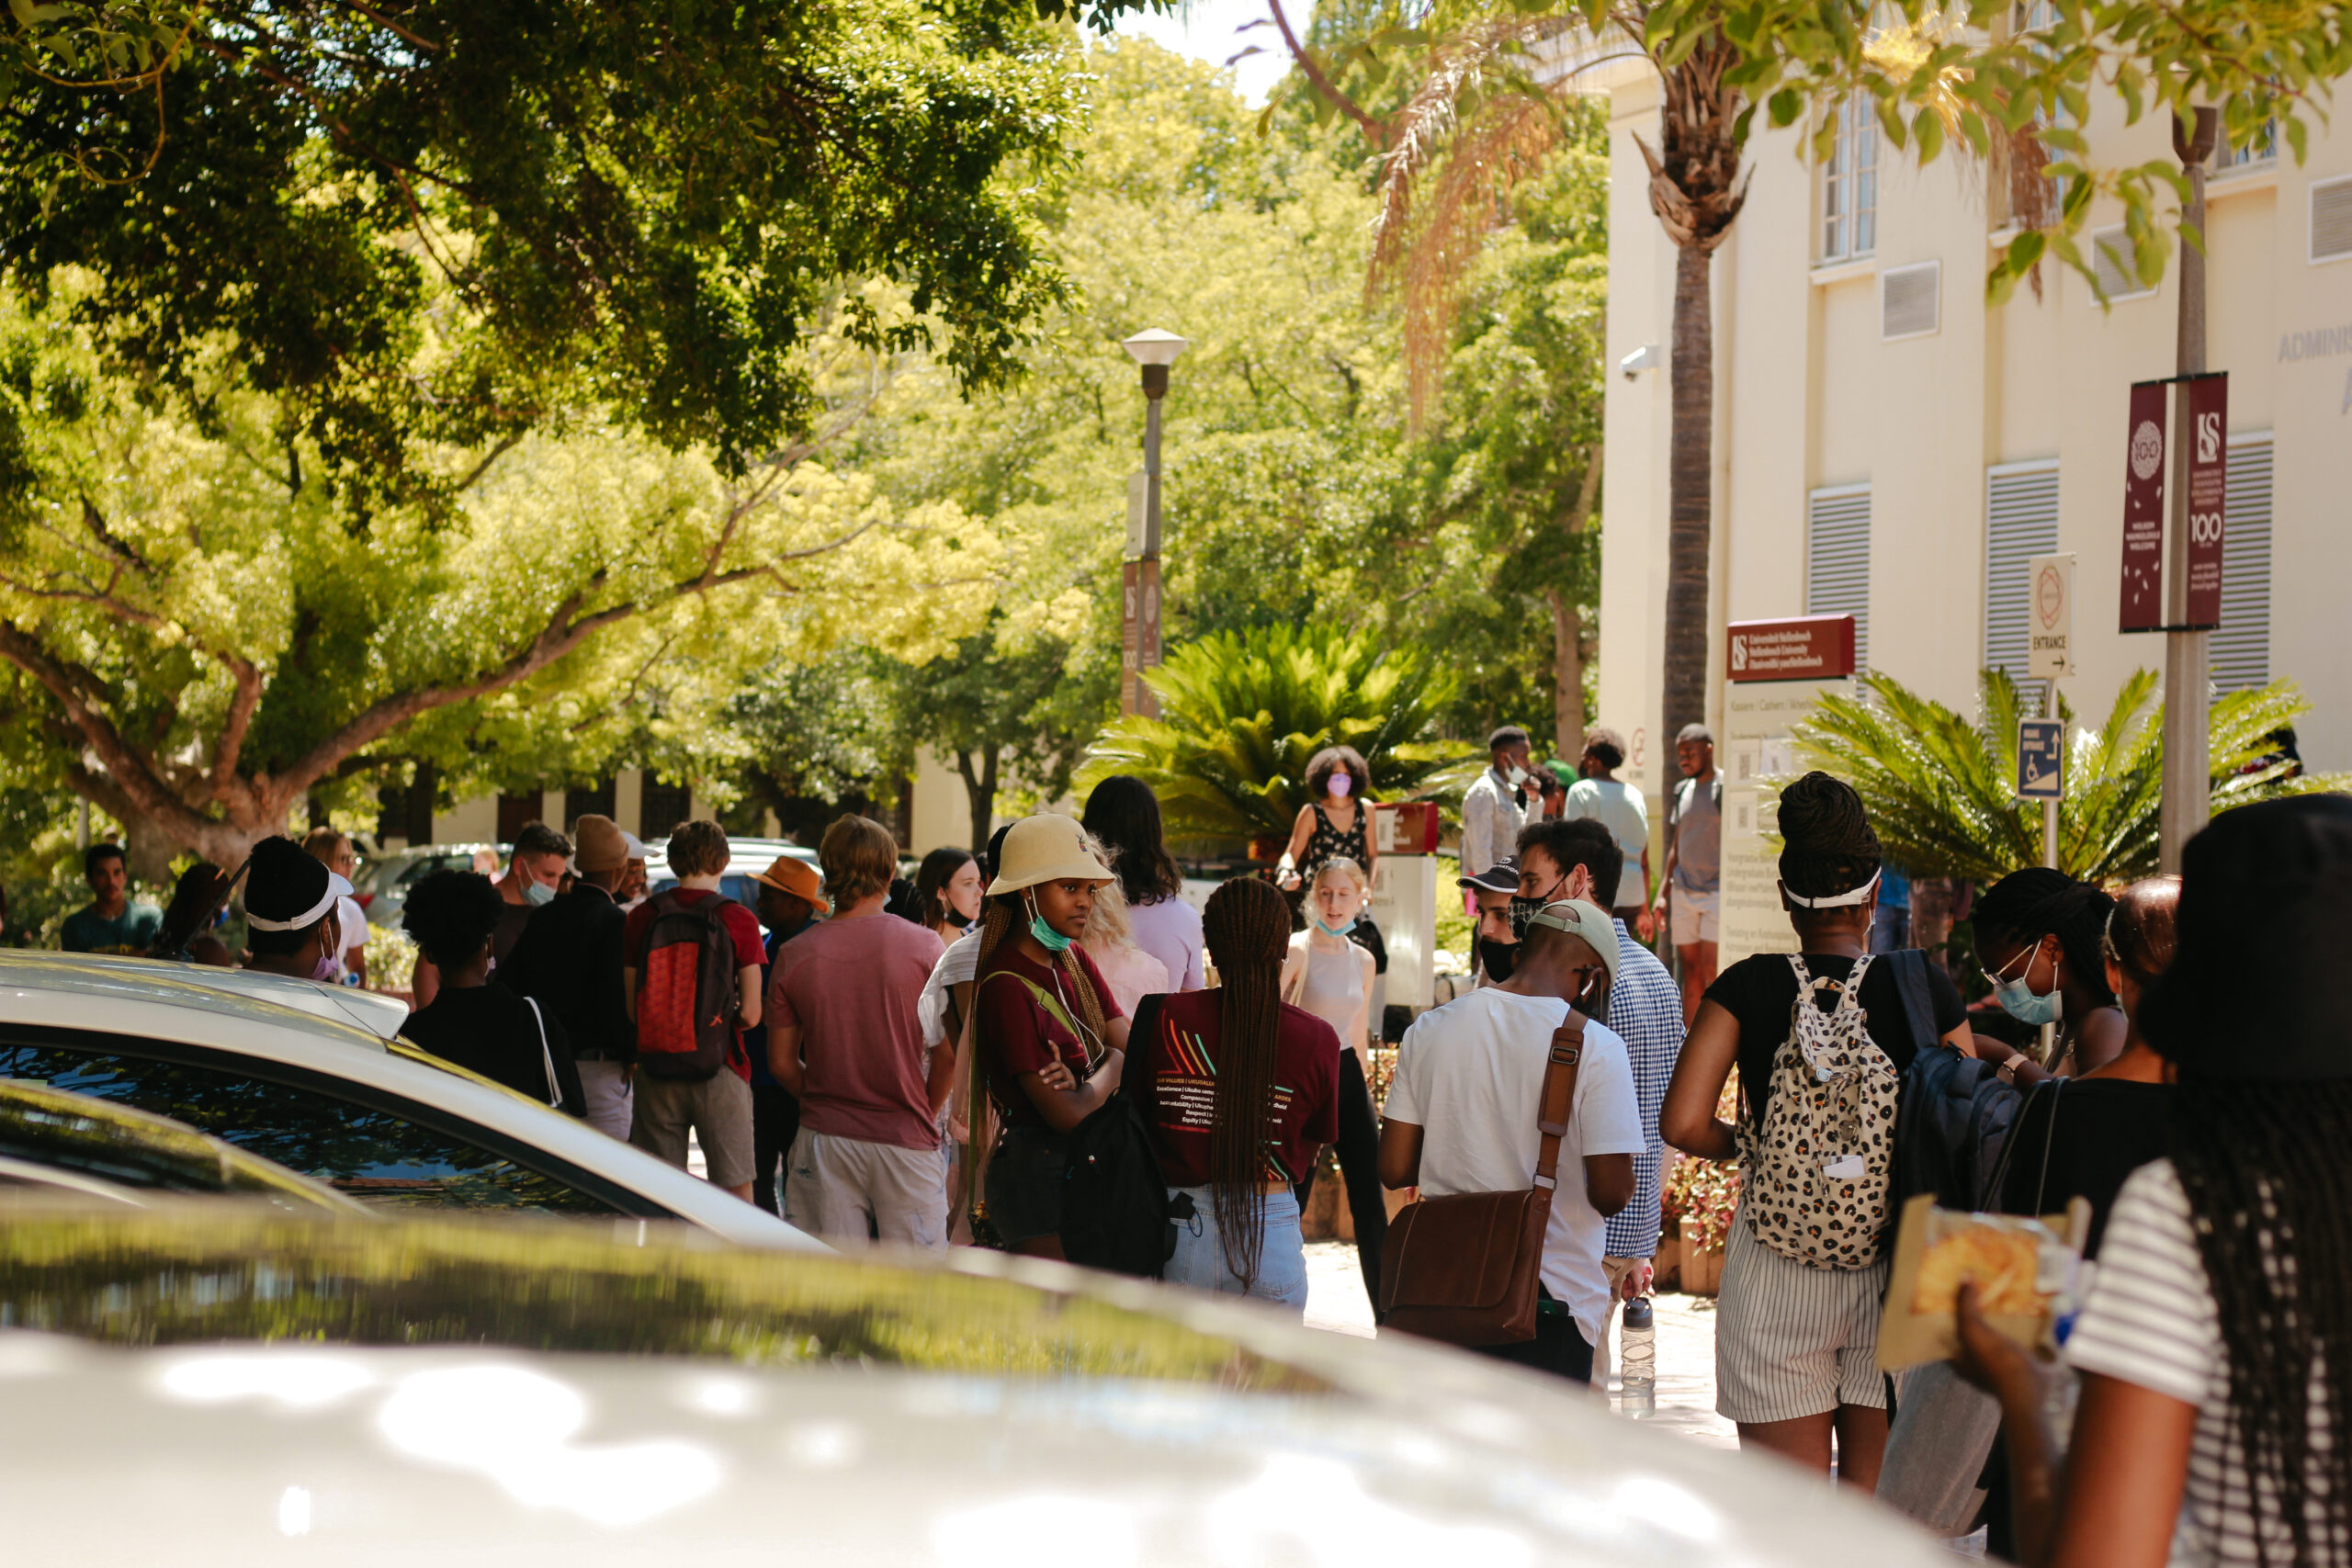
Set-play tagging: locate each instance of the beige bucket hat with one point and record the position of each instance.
(1047, 847)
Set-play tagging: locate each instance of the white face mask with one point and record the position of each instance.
(1516, 776)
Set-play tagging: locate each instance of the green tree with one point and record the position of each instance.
(202, 637)
(1243, 715)
(996, 710)
(1940, 786)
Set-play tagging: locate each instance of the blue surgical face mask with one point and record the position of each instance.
(2018, 999)
(1329, 930)
(1047, 938)
(540, 893)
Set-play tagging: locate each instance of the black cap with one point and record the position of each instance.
(1500, 877)
(2259, 989)
(286, 889)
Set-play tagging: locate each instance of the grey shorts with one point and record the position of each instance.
(1024, 1183)
(718, 1107)
(1791, 1340)
(846, 1190)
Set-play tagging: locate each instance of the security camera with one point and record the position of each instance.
(1641, 359)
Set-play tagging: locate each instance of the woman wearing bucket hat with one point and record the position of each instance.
(2215, 1347)
(1049, 1037)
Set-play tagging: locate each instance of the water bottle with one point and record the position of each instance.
(1637, 1361)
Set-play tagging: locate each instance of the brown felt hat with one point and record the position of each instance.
(602, 845)
(798, 877)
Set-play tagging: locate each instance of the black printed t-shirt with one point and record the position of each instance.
(2079, 1138)
(1173, 1074)
(1758, 991)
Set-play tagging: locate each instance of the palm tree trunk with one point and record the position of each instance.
(1689, 506)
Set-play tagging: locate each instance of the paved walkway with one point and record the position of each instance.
(1685, 1341)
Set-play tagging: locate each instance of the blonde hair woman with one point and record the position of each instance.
(1332, 977)
(1110, 941)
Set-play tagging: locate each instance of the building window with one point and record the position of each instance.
(1837, 560)
(1849, 184)
(2240, 649)
(2260, 151)
(2020, 523)
(2111, 264)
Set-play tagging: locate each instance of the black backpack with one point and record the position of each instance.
(1116, 1214)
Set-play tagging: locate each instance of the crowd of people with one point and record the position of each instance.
(913, 1063)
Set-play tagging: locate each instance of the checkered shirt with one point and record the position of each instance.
(1646, 1007)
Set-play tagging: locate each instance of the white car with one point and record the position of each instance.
(311, 1077)
(746, 857)
(266, 1390)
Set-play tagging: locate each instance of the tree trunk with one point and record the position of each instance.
(979, 790)
(1568, 676)
(1689, 498)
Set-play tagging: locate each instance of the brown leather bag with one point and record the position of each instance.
(1463, 1269)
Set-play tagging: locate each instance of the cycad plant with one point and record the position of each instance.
(1243, 713)
(1941, 787)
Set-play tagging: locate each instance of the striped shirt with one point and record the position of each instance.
(1646, 1008)
(2151, 1322)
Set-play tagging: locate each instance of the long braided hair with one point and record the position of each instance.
(1246, 926)
(2270, 1197)
(2028, 905)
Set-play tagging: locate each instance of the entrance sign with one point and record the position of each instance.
(1803, 648)
(2050, 616)
(2040, 759)
(2144, 512)
(2206, 450)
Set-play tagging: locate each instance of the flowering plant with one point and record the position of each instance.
(1705, 1192)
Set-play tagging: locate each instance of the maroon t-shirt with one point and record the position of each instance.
(1173, 1072)
(742, 928)
(1018, 1036)
(852, 987)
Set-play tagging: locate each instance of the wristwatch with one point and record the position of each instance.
(2008, 1071)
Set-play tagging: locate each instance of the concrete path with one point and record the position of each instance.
(1685, 1341)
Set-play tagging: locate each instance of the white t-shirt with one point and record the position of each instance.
(2151, 1322)
(1617, 807)
(1470, 1075)
(350, 929)
(957, 966)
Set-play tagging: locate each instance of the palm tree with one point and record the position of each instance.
(1241, 715)
(1480, 116)
(1939, 787)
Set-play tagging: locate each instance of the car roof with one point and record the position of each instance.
(186, 1003)
(392, 1391)
(744, 856)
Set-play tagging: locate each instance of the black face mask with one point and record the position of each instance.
(1525, 910)
(1497, 959)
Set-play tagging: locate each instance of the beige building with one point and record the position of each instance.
(1890, 445)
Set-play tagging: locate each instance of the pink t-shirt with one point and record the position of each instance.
(852, 987)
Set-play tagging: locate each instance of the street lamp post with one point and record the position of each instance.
(2186, 803)
(1154, 350)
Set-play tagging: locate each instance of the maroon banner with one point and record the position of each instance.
(2143, 511)
(1804, 647)
(2208, 453)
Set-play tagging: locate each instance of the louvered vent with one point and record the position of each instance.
(1910, 300)
(2240, 649)
(2332, 219)
(2112, 261)
(2020, 523)
(1837, 560)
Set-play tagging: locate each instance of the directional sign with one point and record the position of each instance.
(2040, 749)
(2050, 616)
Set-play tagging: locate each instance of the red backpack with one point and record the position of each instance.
(686, 995)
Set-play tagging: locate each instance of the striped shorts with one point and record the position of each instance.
(1793, 1341)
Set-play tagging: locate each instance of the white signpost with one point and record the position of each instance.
(2049, 617)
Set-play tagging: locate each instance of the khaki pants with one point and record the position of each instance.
(846, 1190)
(718, 1107)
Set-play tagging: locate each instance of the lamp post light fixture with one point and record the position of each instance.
(1154, 350)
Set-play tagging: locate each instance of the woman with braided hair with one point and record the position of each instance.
(2215, 1347)
(2038, 936)
(1796, 1331)
(1048, 1036)
(1241, 1091)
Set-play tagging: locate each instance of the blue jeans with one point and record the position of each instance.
(1282, 1258)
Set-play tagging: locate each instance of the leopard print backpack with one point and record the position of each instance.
(1814, 1178)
